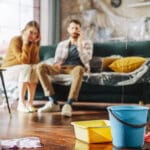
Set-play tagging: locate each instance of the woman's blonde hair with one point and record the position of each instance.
(32, 24)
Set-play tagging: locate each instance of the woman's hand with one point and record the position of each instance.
(25, 37)
(30, 36)
(36, 40)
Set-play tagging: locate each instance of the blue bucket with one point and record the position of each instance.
(128, 125)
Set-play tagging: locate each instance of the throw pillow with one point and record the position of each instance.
(127, 64)
(106, 61)
(99, 64)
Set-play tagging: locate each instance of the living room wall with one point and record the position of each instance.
(103, 22)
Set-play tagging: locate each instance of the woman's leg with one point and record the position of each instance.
(24, 79)
(31, 93)
(22, 91)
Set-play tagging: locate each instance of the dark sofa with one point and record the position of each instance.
(97, 93)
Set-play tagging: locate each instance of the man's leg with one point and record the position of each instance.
(77, 74)
(44, 71)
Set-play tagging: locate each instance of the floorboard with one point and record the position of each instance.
(54, 130)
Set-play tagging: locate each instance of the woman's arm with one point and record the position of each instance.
(20, 50)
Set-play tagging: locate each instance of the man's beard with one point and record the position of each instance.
(75, 36)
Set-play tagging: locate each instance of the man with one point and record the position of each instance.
(72, 57)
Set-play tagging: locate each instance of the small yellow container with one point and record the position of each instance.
(93, 131)
(80, 145)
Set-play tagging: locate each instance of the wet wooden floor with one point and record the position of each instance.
(54, 130)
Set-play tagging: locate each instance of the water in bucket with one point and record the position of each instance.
(128, 125)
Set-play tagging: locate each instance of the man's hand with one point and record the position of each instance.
(57, 65)
(80, 38)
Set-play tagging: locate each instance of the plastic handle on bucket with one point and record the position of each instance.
(126, 123)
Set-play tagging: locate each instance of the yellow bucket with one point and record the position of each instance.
(93, 131)
(79, 145)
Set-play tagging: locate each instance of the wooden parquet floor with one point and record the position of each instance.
(54, 130)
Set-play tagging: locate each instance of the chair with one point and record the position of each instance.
(3, 84)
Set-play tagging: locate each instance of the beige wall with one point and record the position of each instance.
(68, 7)
(126, 11)
(72, 7)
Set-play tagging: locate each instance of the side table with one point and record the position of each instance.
(3, 84)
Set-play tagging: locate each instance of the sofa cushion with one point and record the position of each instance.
(127, 64)
(99, 64)
(106, 61)
(95, 64)
(49, 61)
(47, 52)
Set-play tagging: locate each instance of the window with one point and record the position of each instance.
(14, 16)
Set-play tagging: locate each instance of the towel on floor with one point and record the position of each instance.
(27, 142)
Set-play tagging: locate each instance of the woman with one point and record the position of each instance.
(20, 60)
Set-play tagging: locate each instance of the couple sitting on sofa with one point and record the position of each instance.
(72, 57)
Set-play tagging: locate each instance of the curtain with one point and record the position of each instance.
(50, 21)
